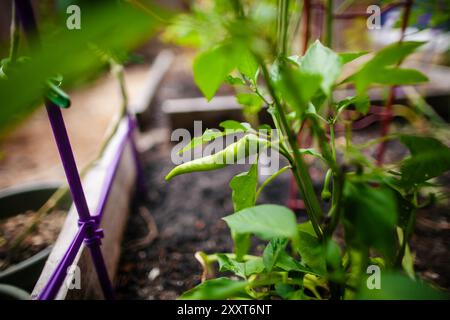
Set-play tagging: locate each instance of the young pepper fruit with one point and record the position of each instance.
(245, 147)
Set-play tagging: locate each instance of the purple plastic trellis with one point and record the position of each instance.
(89, 231)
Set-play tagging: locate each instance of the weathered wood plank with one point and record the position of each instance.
(113, 222)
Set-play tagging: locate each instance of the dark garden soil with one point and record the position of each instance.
(41, 237)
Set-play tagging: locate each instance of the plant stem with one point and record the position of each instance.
(283, 23)
(270, 179)
(407, 231)
(329, 24)
(299, 168)
(344, 5)
(306, 24)
(238, 9)
(333, 142)
(336, 201)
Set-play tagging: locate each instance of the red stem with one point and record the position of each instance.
(306, 24)
(354, 15)
(387, 117)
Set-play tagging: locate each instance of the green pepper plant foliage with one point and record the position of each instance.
(248, 44)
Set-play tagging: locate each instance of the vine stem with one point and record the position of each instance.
(333, 142)
(299, 167)
(270, 179)
(307, 24)
(283, 18)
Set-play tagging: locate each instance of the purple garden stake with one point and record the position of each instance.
(89, 227)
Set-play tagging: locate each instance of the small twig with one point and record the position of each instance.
(329, 24)
(151, 235)
(205, 261)
(51, 203)
(364, 15)
(306, 25)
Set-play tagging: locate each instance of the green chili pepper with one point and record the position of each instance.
(245, 147)
(326, 194)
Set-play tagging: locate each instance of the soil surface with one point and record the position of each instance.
(41, 237)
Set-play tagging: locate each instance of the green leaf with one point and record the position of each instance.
(370, 217)
(242, 243)
(287, 263)
(234, 80)
(417, 144)
(254, 266)
(252, 102)
(393, 53)
(382, 68)
(344, 103)
(362, 103)
(216, 289)
(248, 65)
(347, 57)
(295, 86)
(212, 67)
(235, 126)
(307, 227)
(311, 152)
(429, 158)
(241, 269)
(266, 221)
(408, 257)
(272, 251)
(311, 252)
(397, 76)
(228, 264)
(320, 60)
(287, 292)
(244, 188)
(398, 287)
(333, 256)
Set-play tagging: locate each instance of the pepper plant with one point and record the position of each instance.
(249, 45)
